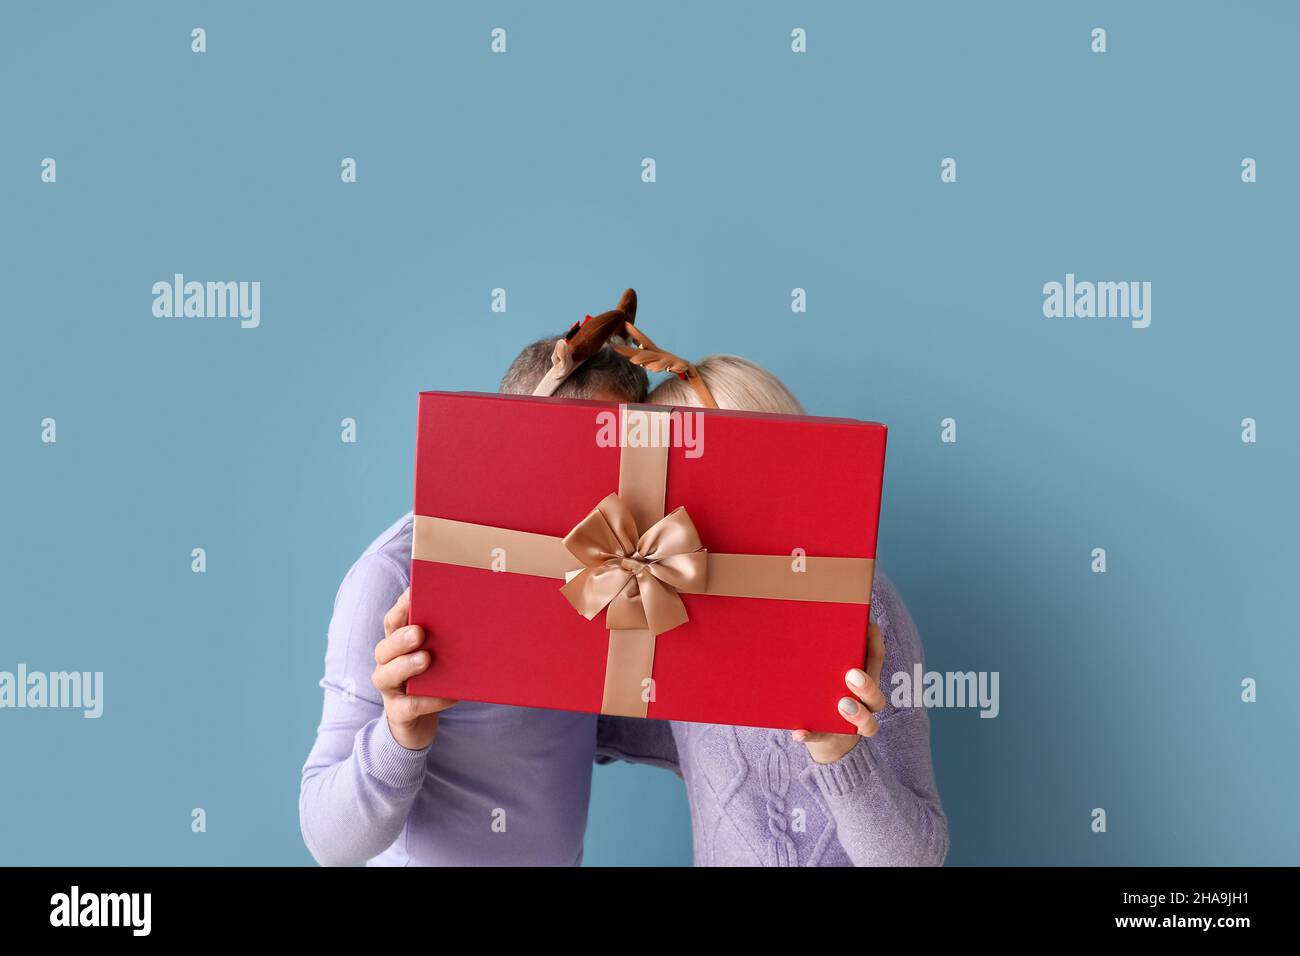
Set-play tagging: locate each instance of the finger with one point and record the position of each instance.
(865, 689)
(858, 716)
(809, 737)
(409, 708)
(398, 614)
(401, 641)
(389, 678)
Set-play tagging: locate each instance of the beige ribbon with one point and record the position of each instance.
(636, 575)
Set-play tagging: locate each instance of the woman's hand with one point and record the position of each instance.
(828, 748)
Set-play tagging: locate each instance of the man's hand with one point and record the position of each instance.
(412, 720)
(828, 748)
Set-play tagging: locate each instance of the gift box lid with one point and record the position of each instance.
(779, 486)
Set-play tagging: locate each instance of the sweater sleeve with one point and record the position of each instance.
(636, 740)
(882, 793)
(359, 783)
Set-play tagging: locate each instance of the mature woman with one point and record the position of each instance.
(760, 797)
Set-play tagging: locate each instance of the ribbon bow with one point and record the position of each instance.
(637, 577)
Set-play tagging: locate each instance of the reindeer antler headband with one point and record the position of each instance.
(650, 356)
(587, 337)
(584, 340)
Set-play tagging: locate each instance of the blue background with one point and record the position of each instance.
(775, 171)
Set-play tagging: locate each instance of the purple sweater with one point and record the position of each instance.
(498, 786)
(510, 785)
(758, 799)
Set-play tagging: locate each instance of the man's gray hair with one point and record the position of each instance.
(606, 371)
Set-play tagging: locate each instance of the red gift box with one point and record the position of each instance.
(738, 549)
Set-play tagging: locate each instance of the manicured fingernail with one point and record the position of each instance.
(856, 678)
(848, 706)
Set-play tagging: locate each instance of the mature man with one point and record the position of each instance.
(398, 781)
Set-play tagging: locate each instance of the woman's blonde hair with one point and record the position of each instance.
(736, 383)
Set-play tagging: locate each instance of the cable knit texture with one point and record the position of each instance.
(758, 799)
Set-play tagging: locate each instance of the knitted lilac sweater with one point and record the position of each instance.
(758, 799)
(509, 785)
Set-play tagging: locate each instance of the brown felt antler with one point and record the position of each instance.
(584, 339)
